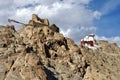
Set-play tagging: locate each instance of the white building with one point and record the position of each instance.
(88, 40)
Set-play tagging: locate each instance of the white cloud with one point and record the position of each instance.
(4, 4)
(97, 14)
(77, 2)
(110, 6)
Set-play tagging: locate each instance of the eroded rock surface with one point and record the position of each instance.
(39, 52)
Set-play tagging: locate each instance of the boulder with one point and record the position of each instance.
(54, 28)
(36, 18)
(46, 21)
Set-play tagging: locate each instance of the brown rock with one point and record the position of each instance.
(31, 59)
(39, 52)
(109, 47)
(46, 30)
(74, 48)
(36, 18)
(54, 28)
(3, 71)
(46, 21)
(58, 36)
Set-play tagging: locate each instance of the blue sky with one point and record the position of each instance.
(109, 24)
(75, 18)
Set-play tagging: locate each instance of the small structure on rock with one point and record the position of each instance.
(37, 20)
(88, 41)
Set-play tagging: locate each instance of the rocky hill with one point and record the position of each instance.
(39, 52)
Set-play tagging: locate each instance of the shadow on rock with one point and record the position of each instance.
(50, 74)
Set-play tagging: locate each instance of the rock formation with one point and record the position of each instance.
(39, 52)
